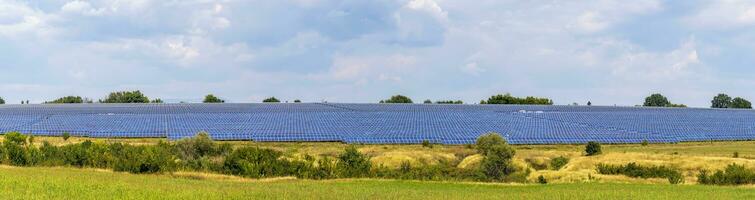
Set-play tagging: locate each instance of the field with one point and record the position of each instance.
(68, 183)
(690, 158)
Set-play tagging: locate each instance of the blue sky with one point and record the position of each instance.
(608, 52)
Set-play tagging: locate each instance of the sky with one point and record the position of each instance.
(609, 52)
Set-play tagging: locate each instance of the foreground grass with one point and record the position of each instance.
(68, 183)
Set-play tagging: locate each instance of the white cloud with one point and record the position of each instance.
(81, 7)
(472, 68)
(724, 14)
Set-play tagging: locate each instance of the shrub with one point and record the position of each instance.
(559, 162)
(352, 164)
(541, 179)
(66, 135)
(733, 175)
(645, 142)
(486, 142)
(593, 148)
(736, 154)
(638, 171)
(497, 162)
(427, 144)
(255, 163)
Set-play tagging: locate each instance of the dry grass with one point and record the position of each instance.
(688, 157)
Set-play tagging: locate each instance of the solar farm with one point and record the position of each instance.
(382, 123)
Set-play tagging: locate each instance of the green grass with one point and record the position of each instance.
(68, 183)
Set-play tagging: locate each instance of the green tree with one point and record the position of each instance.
(397, 99)
(508, 99)
(740, 102)
(126, 97)
(156, 101)
(450, 102)
(2, 101)
(656, 100)
(496, 164)
(212, 99)
(428, 101)
(271, 100)
(297, 101)
(721, 101)
(69, 99)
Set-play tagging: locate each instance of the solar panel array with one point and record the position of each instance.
(382, 123)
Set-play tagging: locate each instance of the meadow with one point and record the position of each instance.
(72, 183)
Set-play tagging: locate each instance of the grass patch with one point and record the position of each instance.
(68, 183)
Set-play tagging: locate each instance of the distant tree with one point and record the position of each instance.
(428, 101)
(721, 101)
(297, 101)
(450, 102)
(508, 99)
(271, 100)
(589, 103)
(126, 97)
(656, 100)
(2, 101)
(212, 99)
(740, 102)
(157, 101)
(69, 99)
(397, 99)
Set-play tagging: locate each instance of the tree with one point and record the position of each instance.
(496, 164)
(450, 102)
(156, 101)
(721, 101)
(397, 99)
(212, 99)
(2, 101)
(428, 101)
(69, 99)
(271, 100)
(589, 103)
(656, 100)
(508, 99)
(740, 102)
(297, 101)
(126, 97)
(593, 148)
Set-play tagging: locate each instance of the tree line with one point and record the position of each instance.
(654, 100)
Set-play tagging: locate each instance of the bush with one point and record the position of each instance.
(427, 144)
(508, 99)
(352, 164)
(66, 135)
(541, 179)
(736, 154)
(645, 142)
(255, 163)
(559, 162)
(637, 171)
(593, 148)
(486, 142)
(497, 163)
(733, 175)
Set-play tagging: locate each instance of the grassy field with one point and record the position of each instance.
(68, 183)
(690, 158)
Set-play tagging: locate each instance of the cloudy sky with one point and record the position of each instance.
(608, 52)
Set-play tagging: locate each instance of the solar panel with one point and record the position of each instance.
(382, 123)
